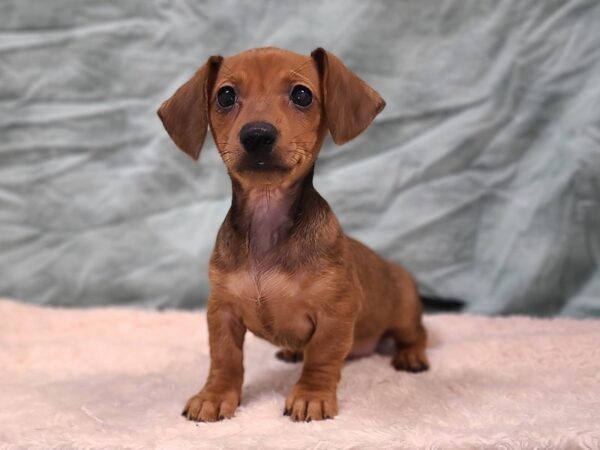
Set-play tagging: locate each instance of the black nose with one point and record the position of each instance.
(258, 137)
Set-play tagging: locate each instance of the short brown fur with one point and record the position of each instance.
(282, 267)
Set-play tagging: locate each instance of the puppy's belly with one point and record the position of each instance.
(362, 349)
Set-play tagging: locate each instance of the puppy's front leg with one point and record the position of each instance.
(220, 396)
(314, 397)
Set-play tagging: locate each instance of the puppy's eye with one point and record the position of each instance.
(226, 97)
(301, 96)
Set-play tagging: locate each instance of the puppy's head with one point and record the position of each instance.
(269, 110)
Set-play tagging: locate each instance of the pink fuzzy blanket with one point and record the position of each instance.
(118, 378)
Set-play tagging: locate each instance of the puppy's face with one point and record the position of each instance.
(269, 110)
(265, 112)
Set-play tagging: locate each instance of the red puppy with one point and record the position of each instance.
(282, 267)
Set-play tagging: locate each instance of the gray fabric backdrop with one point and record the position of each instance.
(482, 175)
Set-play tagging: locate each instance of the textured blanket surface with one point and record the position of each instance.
(117, 378)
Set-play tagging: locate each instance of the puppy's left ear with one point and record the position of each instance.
(350, 104)
(185, 114)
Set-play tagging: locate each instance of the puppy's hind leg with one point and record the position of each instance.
(410, 349)
(407, 329)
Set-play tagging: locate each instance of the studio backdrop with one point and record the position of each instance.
(482, 174)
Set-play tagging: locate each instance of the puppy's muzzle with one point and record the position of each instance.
(258, 138)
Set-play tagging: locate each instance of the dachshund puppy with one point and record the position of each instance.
(282, 267)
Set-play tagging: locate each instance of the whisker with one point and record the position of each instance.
(225, 65)
(300, 134)
(301, 154)
(302, 150)
(297, 70)
(299, 150)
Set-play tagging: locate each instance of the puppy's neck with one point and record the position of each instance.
(266, 215)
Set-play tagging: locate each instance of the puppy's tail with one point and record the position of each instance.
(442, 304)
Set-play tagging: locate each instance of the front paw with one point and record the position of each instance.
(306, 404)
(211, 405)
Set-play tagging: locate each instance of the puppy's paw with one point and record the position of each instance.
(305, 404)
(410, 360)
(289, 356)
(210, 406)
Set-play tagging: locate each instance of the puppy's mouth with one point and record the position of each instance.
(262, 164)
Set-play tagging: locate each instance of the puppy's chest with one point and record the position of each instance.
(274, 305)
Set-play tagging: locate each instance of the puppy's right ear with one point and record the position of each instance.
(350, 104)
(185, 114)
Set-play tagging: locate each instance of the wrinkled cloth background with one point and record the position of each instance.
(482, 175)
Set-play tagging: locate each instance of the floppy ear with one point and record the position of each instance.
(350, 104)
(185, 114)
